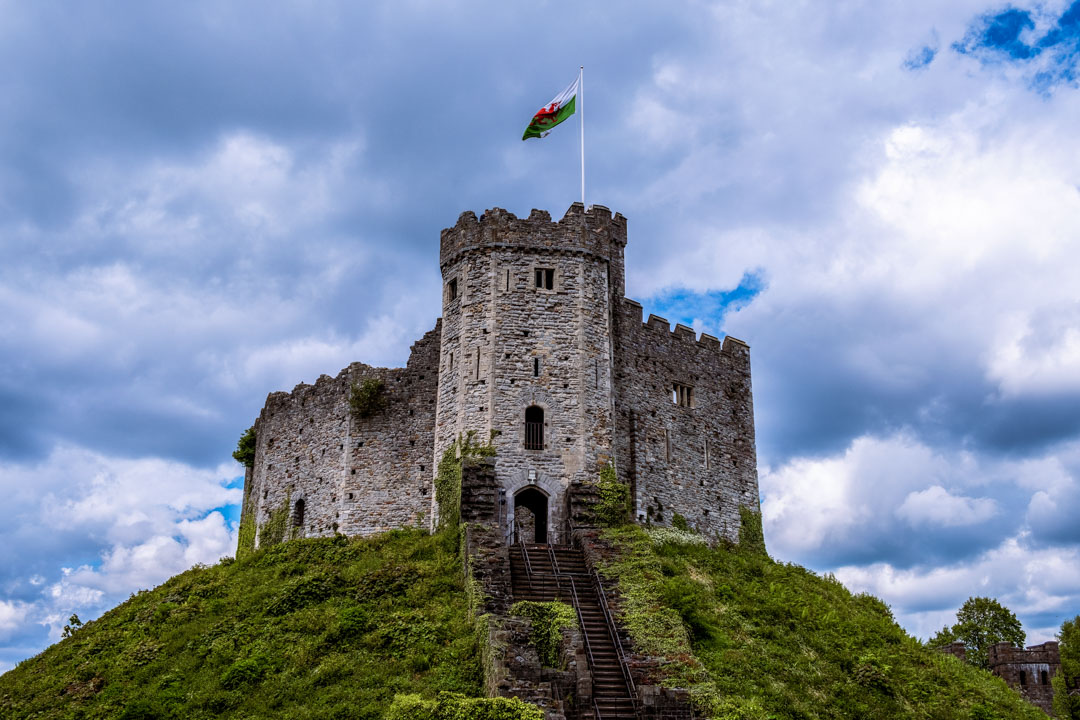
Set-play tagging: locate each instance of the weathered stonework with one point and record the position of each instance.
(534, 316)
(353, 476)
(1028, 671)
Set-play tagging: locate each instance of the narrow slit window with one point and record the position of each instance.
(706, 453)
(536, 367)
(477, 363)
(451, 290)
(507, 279)
(667, 445)
(545, 278)
(451, 361)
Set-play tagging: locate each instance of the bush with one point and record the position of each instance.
(452, 706)
(245, 448)
(367, 398)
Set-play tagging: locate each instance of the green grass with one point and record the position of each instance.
(328, 628)
(761, 639)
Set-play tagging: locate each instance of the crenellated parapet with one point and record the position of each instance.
(659, 329)
(594, 232)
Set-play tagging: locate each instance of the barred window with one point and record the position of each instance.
(682, 395)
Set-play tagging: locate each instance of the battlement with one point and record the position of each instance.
(731, 346)
(595, 232)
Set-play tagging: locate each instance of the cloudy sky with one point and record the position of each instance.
(201, 203)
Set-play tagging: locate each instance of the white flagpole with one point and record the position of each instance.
(581, 122)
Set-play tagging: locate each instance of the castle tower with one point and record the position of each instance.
(527, 352)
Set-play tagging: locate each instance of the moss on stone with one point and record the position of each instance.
(751, 536)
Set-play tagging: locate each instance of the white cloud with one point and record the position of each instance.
(12, 615)
(937, 506)
(145, 520)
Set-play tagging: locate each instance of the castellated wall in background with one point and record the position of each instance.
(354, 476)
(699, 460)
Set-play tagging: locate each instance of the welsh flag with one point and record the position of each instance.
(553, 113)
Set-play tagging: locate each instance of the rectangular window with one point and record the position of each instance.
(451, 290)
(451, 361)
(536, 367)
(545, 278)
(682, 395)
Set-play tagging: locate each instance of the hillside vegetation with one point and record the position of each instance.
(379, 627)
(329, 628)
(760, 639)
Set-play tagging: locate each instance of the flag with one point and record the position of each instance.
(554, 112)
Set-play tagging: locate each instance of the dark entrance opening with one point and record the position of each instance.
(530, 516)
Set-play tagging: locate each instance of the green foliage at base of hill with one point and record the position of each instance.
(757, 639)
(319, 629)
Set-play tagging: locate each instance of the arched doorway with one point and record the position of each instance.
(530, 516)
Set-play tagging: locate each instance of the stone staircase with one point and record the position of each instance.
(552, 572)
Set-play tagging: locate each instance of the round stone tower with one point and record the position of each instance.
(527, 353)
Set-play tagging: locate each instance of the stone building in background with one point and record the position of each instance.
(539, 350)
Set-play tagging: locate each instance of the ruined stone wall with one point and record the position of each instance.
(508, 345)
(1028, 671)
(354, 476)
(699, 461)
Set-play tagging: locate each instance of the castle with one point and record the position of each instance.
(539, 350)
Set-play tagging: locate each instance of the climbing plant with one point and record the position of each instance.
(549, 619)
(448, 475)
(613, 507)
(273, 530)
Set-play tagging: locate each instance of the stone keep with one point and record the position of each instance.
(539, 351)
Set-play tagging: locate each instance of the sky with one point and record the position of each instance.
(204, 202)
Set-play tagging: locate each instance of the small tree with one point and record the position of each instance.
(980, 623)
(1067, 682)
(245, 448)
(74, 623)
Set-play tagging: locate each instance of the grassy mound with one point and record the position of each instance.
(760, 639)
(329, 628)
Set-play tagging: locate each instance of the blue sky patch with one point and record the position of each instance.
(1001, 36)
(920, 57)
(705, 311)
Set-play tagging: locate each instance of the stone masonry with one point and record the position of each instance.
(1028, 670)
(538, 349)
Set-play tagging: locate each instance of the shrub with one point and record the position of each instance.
(452, 706)
(245, 448)
(368, 397)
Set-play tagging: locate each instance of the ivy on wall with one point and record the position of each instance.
(448, 475)
(549, 619)
(273, 530)
(613, 507)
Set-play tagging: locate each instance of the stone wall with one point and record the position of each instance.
(1028, 671)
(508, 344)
(354, 476)
(699, 460)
